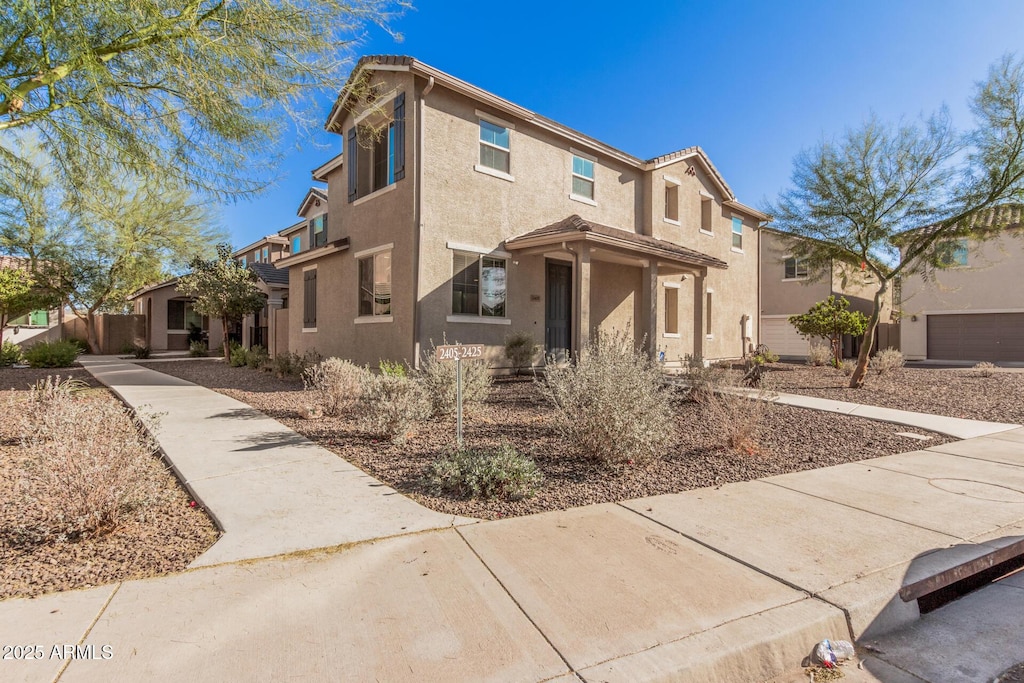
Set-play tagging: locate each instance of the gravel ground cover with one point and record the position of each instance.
(793, 439)
(953, 392)
(174, 534)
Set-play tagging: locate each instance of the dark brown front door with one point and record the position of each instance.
(558, 310)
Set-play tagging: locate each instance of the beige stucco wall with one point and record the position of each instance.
(158, 336)
(786, 297)
(989, 284)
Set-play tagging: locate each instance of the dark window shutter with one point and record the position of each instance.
(351, 153)
(400, 136)
(309, 298)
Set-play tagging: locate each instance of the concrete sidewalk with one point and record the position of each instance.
(729, 584)
(270, 490)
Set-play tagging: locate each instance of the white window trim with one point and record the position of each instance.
(583, 155)
(579, 198)
(737, 250)
(492, 119)
(308, 329)
(673, 180)
(478, 319)
(672, 285)
(305, 268)
(458, 246)
(671, 221)
(671, 335)
(376, 193)
(792, 279)
(706, 195)
(706, 232)
(487, 170)
(373, 250)
(367, 319)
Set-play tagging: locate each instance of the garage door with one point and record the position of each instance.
(779, 336)
(976, 336)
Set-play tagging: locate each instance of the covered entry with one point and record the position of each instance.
(598, 275)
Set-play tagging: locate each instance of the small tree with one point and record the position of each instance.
(830, 320)
(17, 296)
(223, 289)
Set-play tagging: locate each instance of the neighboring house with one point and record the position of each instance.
(457, 215)
(974, 309)
(41, 325)
(787, 289)
(170, 319)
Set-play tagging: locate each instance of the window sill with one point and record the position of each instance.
(375, 194)
(737, 250)
(308, 329)
(487, 170)
(671, 335)
(369, 319)
(709, 337)
(582, 200)
(794, 279)
(478, 319)
(671, 221)
(707, 232)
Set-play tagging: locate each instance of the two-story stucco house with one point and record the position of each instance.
(458, 215)
(788, 288)
(974, 309)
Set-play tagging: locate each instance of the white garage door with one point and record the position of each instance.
(779, 336)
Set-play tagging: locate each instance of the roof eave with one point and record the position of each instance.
(557, 238)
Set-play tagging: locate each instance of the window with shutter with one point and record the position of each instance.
(351, 160)
(309, 299)
(399, 137)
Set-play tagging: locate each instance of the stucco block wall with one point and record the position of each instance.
(991, 283)
(154, 305)
(786, 297)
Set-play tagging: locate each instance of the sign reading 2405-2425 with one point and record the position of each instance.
(459, 351)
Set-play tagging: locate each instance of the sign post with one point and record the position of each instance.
(457, 352)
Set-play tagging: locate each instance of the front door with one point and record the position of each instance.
(558, 311)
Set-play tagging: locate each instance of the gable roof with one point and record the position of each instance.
(1002, 217)
(314, 196)
(269, 273)
(576, 227)
(414, 66)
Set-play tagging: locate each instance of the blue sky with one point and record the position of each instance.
(752, 82)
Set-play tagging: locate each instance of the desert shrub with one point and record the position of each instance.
(238, 357)
(736, 417)
(286, 364)
(141, 351)
(611, 402)
(10, 353)
(198, 349)
(848, 366)
(335, 384)
(256, 357)
(83, 346)
(819, 354)
(700, 378)
(55, 354)
(769, 357)
(500, 472)
(985, 369)
(887, 360)
(438, 377)
(391, 406)
(392, 369)
(86, 465)
(45, 391)
(520, 348)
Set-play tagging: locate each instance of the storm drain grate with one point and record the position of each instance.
(935, 591)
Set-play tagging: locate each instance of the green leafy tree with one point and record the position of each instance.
(191, 90)
(862, 197)
(19, 294)
(830, 320)
(94, 246)
(222, 288)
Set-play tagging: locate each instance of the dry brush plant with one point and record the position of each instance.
(391, 406)
(336, 385)
(500, 472)
(87, 466)
(737, 415)
(887, 360)
(985, 369)
(611, 402)
(439, 380)
(818, 354)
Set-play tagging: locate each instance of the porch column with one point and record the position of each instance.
(581, 305)
(700, 293)
(649, 300)
(273, 304)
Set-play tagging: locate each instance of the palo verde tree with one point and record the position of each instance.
(94, 246)
(830, 320)
(862, 197)
(222, 288)
(19, 294)
(191, 90)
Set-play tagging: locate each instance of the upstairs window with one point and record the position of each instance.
(309, 299)
(296, 244)
(375, 284)
(244, 262)
(494, 146)
(671, 202)
(737, 233)
(479, 285)
(706, 207)
(582, 177)
(796, 269)
(266, 254)
(256, 256)
(952, 253)
(318, 231)
(375, 152)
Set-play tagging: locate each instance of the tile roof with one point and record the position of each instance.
(269, 273)
(574, 225)
(1003, 217)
